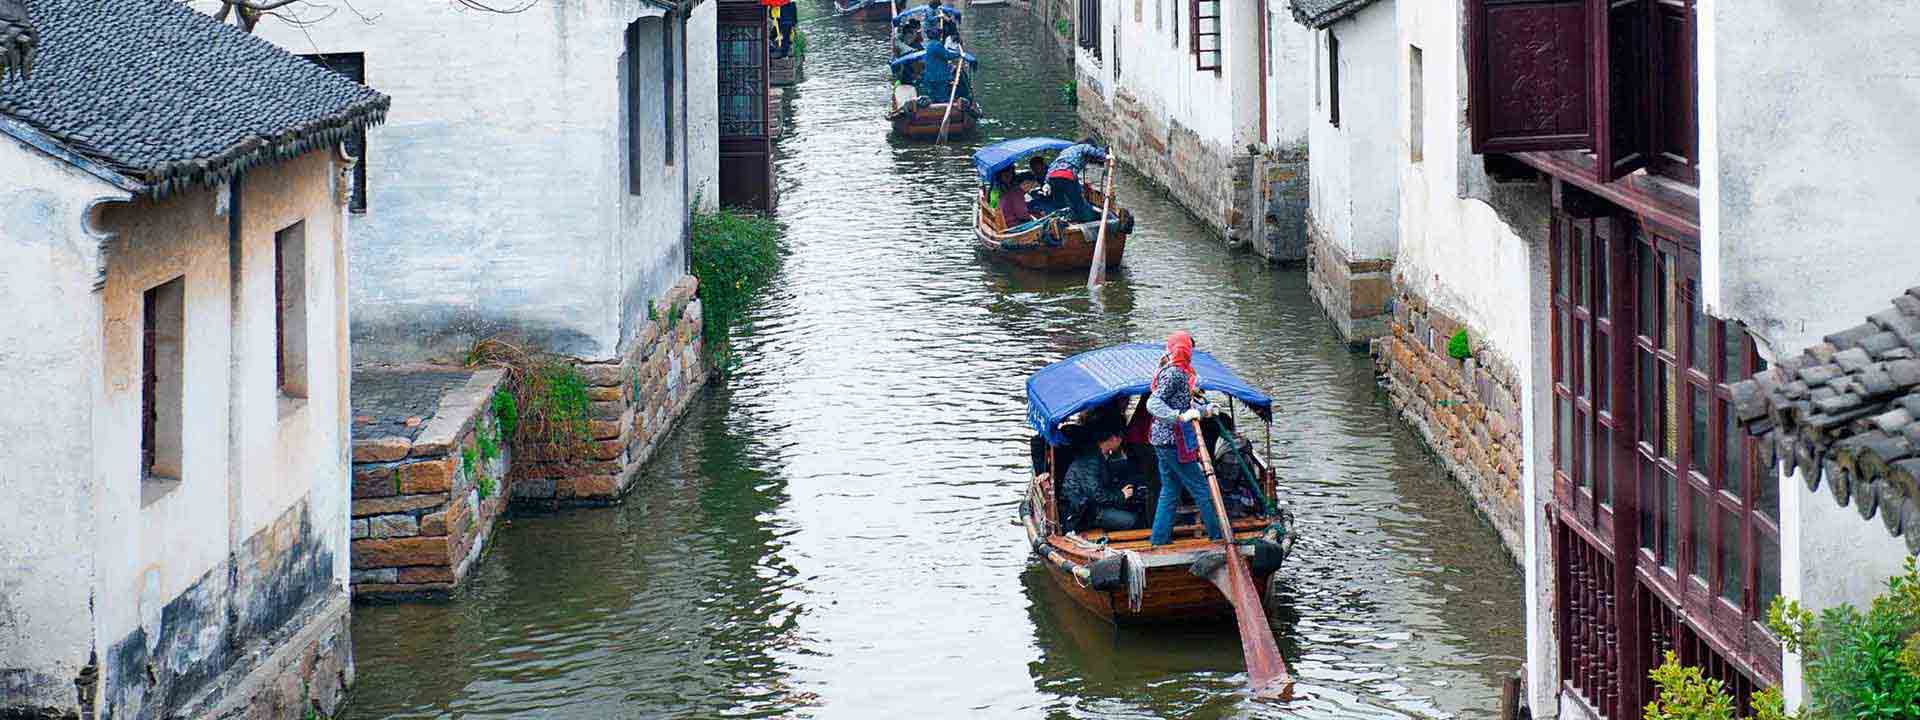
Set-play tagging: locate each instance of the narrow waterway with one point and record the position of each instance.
(827, 534)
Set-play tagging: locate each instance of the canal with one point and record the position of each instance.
(828, 532)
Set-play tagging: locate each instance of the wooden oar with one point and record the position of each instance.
(1097, 273)
(952, 95)
(1266, 670)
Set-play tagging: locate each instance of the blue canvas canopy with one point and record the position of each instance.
(921, 12)
(990, 160)
(918, 55)
(1090, 379)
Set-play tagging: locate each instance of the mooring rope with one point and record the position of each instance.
(1136, 579)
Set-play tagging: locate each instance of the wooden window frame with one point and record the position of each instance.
(293, 353)
(1206, 58)
(1599, 414)
(1333, 78)
(1090, 35)
(668, 106)
(636, 145)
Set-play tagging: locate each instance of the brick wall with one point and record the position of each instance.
(634, 404)
(1468, 411)
(424, 508)
(1354, 293)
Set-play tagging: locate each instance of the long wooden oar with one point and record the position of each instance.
(1266, 670)
(1097, 272)
(952, 95)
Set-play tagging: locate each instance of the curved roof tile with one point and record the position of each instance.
(168, 95)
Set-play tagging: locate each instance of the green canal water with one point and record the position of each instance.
(827, 532)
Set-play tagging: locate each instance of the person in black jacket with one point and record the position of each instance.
(1099, 486)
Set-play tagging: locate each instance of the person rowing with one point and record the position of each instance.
(1175, 402)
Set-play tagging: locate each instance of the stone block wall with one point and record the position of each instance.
(1354, 293)
(1282, 176)
(1468, 411)
(634, 403)
(1222, 188)
(305, 675)
(424, 504)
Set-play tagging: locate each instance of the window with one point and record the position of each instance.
(1416, 105)
(636, 111)
(1643, 418)
(352, 66)
(1317, 90)
(290, 303)
(163, 311)
(1333, 78)
(668, 69)
(1204, 22)
(742, 79)
(1090, 26)
(1530, 87)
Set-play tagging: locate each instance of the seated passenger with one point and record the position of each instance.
(1012, 202)
(1099, 486)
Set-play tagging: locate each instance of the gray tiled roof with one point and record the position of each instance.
(16, 37)
(1850, 406)
(169, 96)
(1321, 13)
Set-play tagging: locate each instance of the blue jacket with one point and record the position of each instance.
(1074, 159)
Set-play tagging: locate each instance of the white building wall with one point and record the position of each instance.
(703, 105)
(49, 371)
(1816, 162)
(498, 198)
(1289, 77)
(1354, 166)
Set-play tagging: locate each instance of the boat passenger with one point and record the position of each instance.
(1099, 485)
(936, 78)
(910, 38)
(940, 24)
(1175, 403)
(1011, 200)
(1063, 178)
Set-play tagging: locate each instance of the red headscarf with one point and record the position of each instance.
(1180, 355)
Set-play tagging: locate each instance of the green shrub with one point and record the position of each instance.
(468, 465)
(506, 412)
(735, 254)
(1458, 347)
(1062, 26)
(1688, 694)
(799, 42)
(489, 440)
(1859, 665)
(1070, 93)
(564, 404)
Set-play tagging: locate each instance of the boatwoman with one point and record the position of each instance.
(1063, 178)
(1174, 401)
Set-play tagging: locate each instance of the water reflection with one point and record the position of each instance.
(828, 535)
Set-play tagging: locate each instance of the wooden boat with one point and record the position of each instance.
(1105, 572)
(914, 121)
(865, 10)
(1049, 244)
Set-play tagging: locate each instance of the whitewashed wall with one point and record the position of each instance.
(1354, 166)
(1288, 76)
(1810, 105)
(49, 370)
(1156, 66)
(498, 195)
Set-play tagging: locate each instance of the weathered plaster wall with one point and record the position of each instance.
(1355, 170)
(252, 537)
(499, 198)
(1353, 202)
(703, 106)
(1188, 129)
(49, 370)
(1815, 174)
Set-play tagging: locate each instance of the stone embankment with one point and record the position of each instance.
(1468, 411)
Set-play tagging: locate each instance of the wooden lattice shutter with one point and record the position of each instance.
(1527, 76)
(1621, 103)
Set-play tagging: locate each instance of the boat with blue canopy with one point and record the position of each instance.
(1049, 238)
(933, 88)
(1118, 574)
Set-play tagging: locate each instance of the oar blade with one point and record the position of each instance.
(1267, 672)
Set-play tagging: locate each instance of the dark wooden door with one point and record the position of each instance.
(746, 147)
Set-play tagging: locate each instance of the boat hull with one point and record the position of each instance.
(1172, 593)
(871, 12)
(1031, 249)
(924, 123)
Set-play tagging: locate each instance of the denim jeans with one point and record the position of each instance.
(1067, 193)
(1176, 476)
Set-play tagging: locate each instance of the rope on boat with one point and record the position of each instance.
(1136, 579)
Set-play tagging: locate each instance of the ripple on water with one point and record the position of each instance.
(827, 534)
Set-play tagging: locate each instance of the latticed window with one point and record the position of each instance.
(1660, 496)
(1090, 26)
(743, 102)
(1204, 23)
